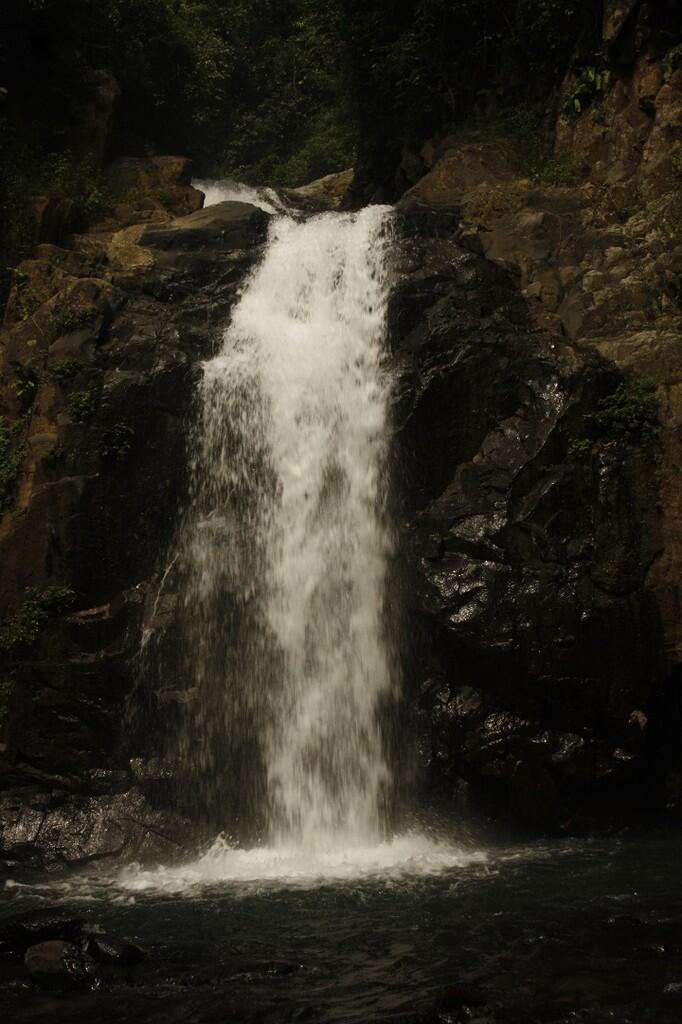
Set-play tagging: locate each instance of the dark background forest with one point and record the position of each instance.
(271, 91)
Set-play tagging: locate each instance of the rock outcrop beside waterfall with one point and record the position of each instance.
(531, 539)
(99, 350)
(539, 329)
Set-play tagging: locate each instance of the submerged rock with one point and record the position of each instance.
(106, 949)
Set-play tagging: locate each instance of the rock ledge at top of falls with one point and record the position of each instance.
(326, 193)
(230, 224)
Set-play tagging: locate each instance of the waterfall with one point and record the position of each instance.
(224, 191)
(287, 538)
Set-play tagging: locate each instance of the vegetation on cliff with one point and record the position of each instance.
(275, 91)
(249, 89)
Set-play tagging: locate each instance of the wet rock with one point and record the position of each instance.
(71, 829)
(537, 607)
(228, 225)
(457, 996)
(672, 993)
(61, 965)
(322, 194)
(106, 949)
(534, 795)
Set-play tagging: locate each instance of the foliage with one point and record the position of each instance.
(279, 91)
(117, 442)
(25, 302)
(256, 91)
(630, 413)
(560, 170)
(590, 82)
(24, 628)
(83, 404)
(27, 169)
(16, 225)
(249, 78)
(75, 178)
(64, 369)
(6, 690)
(329, 147)
(54, 457)
(70, 318)
(416, 67)
(672, 61)
(26, 383)
(578, 449)
(12, 450)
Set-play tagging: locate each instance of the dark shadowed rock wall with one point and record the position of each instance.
(98, 382)
(538, 319)
(537, 652)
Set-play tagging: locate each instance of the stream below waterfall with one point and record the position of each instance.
(563, 932)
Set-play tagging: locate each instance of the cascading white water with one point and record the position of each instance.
(235, 191)
(290, 478)
(284, 555)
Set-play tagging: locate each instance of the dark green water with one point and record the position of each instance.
(564, 932)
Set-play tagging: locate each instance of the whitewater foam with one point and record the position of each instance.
(403, 857)
(222, 191)
(287, 540)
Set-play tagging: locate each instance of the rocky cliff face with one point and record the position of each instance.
(99, 352)
(540, 331)
(532, 531)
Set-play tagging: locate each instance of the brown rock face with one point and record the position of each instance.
(326, 193)
(148, 189)
(547, 557)
(528, 544)
(616, 13)
(98, 352)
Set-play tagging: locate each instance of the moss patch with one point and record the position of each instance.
(70, 318)
(22, 630)
(116, 442)
(83, 404)
(12, 450)
(631, 413)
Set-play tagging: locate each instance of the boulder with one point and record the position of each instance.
(149, 188)
(228, 225)
(326, 193)
(57, 964)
